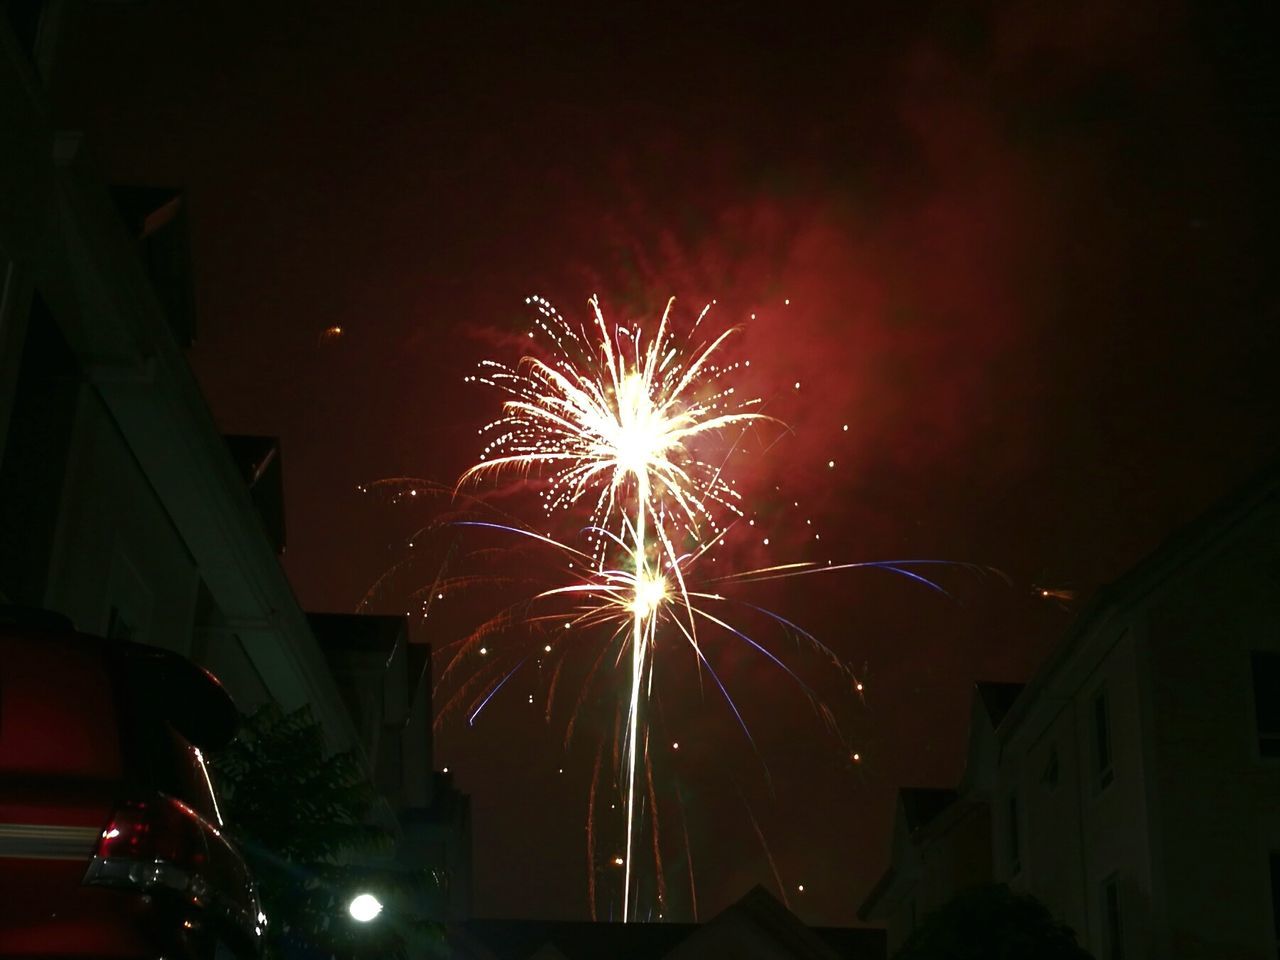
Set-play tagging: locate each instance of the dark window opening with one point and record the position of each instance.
(1266, 700)
(1111, 919)
(1102, 740)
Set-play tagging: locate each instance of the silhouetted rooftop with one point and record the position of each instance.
(1200, 535)
(758, 911)
(997, 698)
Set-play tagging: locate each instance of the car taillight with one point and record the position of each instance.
(128, 834)
(147, 843)
(162, 829)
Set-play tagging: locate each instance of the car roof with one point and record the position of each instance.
(185, 694)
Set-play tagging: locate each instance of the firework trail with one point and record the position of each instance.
(616, 424)
(610, 420)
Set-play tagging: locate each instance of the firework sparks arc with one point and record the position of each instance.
(607, 420)
(612, 418)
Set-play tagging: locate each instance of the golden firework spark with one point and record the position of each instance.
(620, 425)
(612, 418)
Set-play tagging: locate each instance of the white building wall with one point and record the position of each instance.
(1053, 854)
(117, 556)
(61, 226)
(1076, 837)
(1189, 819)
(1217, 801)
(1116, 835)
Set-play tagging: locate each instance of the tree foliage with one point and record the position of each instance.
(300, 817)
(992, 923)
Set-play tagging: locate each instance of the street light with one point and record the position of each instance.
(364, 907)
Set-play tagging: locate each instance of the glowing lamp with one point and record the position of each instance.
(364, 907)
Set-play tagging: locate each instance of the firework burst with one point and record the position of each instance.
(615, 428)
(612, 419)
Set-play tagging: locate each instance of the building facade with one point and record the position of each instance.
(121, 505)
(386, 682)
(123, 508)
(941, 839)
(1134, 784)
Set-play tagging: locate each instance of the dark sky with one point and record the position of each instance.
(1028, 254)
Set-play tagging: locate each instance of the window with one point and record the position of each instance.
(1266, 701)
(1101, 720)
(1015, 845)
(1113, 935)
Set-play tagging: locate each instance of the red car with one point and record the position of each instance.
(111, 841)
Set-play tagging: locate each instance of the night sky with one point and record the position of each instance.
(1028, 253)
